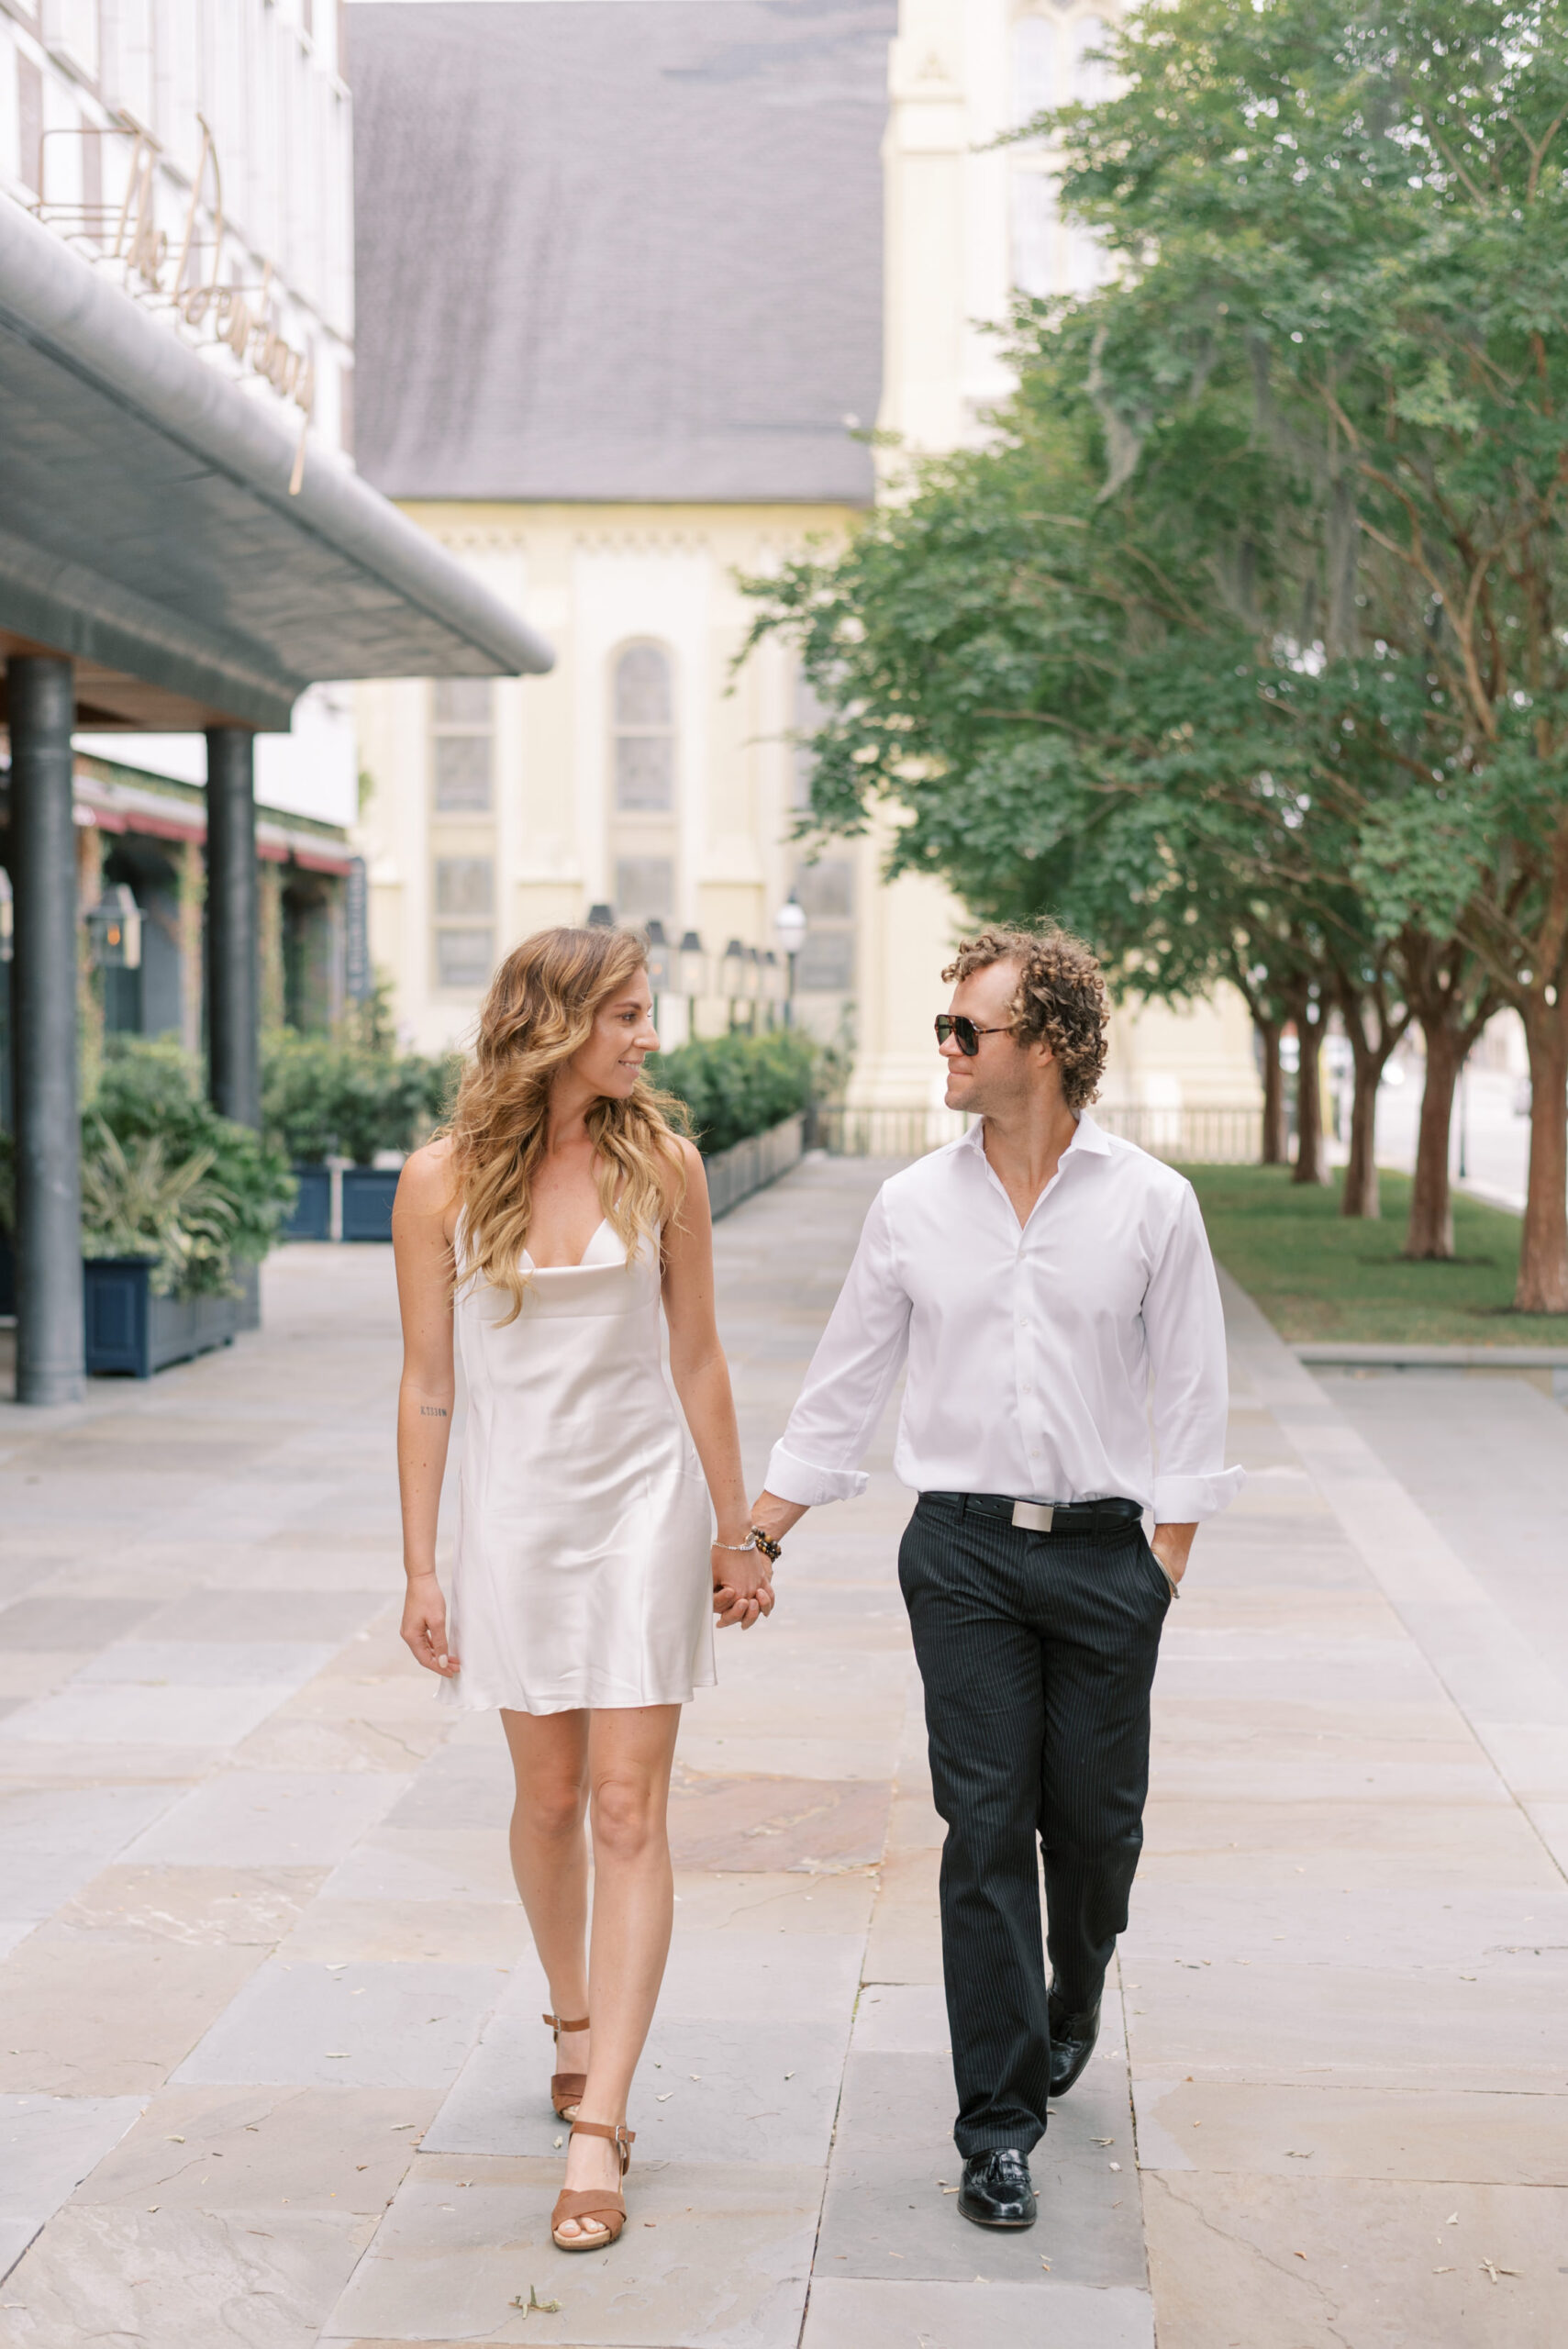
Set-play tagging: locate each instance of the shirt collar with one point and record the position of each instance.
(1089, 1138)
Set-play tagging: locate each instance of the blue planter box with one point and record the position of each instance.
(368, 1193)
(311, 1215)
(132, 1332)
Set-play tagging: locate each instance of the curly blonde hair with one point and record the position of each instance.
(540, 1011)
(1060, 1000)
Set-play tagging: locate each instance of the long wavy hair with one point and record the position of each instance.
(540, 1011)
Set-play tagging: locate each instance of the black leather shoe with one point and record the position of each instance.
(996, 2191)
(1072, 2041)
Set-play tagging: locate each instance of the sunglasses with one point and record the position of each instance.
(964, 1032)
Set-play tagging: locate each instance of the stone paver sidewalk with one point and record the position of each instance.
(271, 2064)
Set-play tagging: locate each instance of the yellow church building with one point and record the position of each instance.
(634, 283)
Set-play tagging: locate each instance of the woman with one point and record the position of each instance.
(548, 1223)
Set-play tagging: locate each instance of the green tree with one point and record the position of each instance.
(1071, 685)
(1365, 221)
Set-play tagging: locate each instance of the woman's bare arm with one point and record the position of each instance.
(741, 1583)
(421, 1244)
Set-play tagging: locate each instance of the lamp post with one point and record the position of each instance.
(734, 976)
(693, 967)
(660, 962)
(789, 928)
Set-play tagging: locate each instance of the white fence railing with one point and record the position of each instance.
(1220, 1136)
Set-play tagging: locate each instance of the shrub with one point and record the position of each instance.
(740, 1085)
(150, 1092)
(135, 1202)
(322, 1098)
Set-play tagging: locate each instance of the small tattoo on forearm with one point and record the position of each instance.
(431, 1411)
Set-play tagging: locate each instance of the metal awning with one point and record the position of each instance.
(147, 526)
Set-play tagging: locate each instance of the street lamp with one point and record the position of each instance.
(694, 967)
(734, 975)
(114, 927)
(601, 918)
(772, 984)
(661, 961)
(789, 928)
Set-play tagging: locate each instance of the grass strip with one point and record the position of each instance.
(1317, 1274)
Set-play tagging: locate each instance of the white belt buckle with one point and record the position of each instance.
(1034, 1517)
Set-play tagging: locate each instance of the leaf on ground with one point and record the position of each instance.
(545, 2308)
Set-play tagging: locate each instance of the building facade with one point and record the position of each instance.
(654, 374)
(186, 553)
(647, 774)
(721, 239)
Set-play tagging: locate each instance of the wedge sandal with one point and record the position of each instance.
(565, 2088)
(604, 2203)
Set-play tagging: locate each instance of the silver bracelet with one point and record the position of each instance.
(749, 1543)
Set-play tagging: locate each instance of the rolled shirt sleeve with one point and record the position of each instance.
(852, 1373)
(1184, 1326)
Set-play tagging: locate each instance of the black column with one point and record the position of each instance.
(233, 970)
(49, 1358)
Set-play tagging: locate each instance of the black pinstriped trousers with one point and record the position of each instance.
(1036, 1650)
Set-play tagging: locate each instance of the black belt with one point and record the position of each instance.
(1047, 1517)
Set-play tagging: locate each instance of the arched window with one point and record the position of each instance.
(1034, 68)
(643, 842)
(1034, 231)
(1089, 77)
(644, 720)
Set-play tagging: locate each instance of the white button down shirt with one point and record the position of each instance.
(1077, 1356)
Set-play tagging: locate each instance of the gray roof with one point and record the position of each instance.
(619, 248)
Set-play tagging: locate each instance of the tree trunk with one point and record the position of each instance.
(1361, 1196)
(1371, 1044)
(1273, 1093)
(1308, 1165)
(1431, 1233)
(1544, 1250)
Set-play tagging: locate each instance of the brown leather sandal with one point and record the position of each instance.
(565, 2088)
(602, 2202)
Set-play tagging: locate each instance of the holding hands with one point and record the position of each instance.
(743, 1567)
(742, 1582)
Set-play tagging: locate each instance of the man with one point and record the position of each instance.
(1053, 1291)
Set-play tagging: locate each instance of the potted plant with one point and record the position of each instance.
(351, 1099)
(299, 1097)
(176, 1200)
(156, 1236)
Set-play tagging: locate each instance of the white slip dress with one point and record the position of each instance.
(582, 1574)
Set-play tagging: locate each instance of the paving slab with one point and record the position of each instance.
(48, 2146)
(855, 2314)
(268, 1819)
(348, 2026)
(53, 1839)
(718, 2255)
